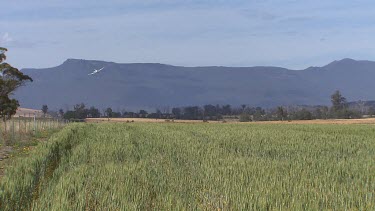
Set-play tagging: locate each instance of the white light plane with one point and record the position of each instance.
(96, 71)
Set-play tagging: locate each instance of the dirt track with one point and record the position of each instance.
(328, 121)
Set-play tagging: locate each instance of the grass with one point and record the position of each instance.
(143, 166)
(33, 140)
(8, 155)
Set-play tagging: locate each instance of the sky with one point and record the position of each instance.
(294, 34)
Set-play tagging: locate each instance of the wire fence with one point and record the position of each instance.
(22, 127)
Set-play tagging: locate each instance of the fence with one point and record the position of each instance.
(20, 128)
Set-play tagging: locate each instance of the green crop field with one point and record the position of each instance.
(150, 166)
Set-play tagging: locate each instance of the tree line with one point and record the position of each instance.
(243, 113)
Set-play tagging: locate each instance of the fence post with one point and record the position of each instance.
(25, 125)
(19, 128)
(13, 132)
(1, 135)
(34, 124)
(5, 132)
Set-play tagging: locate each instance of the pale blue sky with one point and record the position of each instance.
(288, 33)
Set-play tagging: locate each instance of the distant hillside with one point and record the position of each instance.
(134, 86)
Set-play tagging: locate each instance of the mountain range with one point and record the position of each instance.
(151, 85)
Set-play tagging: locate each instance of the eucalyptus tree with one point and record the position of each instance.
(10, 79)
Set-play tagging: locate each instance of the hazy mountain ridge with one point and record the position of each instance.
(152, 85)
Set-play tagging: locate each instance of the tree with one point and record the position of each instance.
(318, 113)
(258, 114)
(371, 111)
(70, 115)
(302, 114)
(325, 112)
(10, 79)
(243, 106)
(218, 110)
(158, 113)
(340, 109)
(80, 111)
(338, 101)
(93, 112)
(109, 112)
(8, 107)
(116, 114)
(281, 113)
(191, 112)
(61, 113)
(143, 112)
(176, 113)
(210, 110)
(44, 110)
(227, 110)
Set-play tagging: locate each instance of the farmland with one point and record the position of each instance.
(316, 121)
(145, 166)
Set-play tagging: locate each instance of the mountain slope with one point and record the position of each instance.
(135, 86)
